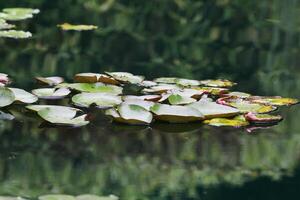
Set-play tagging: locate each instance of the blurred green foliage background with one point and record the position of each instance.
(253, 42)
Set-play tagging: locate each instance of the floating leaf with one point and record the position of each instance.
(187, 82)
(15, 34)
(11, 198)
(274, 101)
(66, 109)
(148, 83)
(94, 88)
(5, 25)
(176, 114)
(71, 27)
(168, 80)
(143, 97)
(51, 81)
(159, 89)
(214, 110)
(262, 118)
(217, 83)
(226, 122)
(212, 90)
(237, 94)
(145, 104)
(6, 116)
(100, 99)
(7, 97)
(245, 106)
(21, 11)
(126, 77)
(95, 77)
(59, 117)
(51, 93)
(56, 197)
(23, 96)
(95, 197)
(176, 99)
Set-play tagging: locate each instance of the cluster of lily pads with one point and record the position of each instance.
(15, 14)
(130, 99)
(65, 197)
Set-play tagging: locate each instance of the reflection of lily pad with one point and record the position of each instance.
(94, 88)
(100, 99)
(71, 27)
(59, 117)
(7, 97)
(15, 34)
(226, 122)
(262, 118)
(126, 77)
(23, 96)
(51, 81)
(51, 93)
(217, 83)
(214, 110)
(6, 116)
(176, 114)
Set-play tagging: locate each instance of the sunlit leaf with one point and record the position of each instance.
(226, 122)
(7, 97)
(176, 99)
(51, 93)
(23, 96)
(99, 99)
(95, 197)
(94, 88)
(168, 80)
(176, 114)
(153, 98)
(15, 34)
(51, 81)
(237, 94)
(187, 82)
(262, 118)
(5, 25)
(148, 83)
(126, 77)
(217, 83)
(145, 104)
(274, 101)
(66, 109)
(71, 27)
(214, 110)
(158, 89)
(212, 90)
(56, 197)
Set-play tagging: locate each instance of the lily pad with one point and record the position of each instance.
(57, 197)
(187, 82)
(145, 104)
(71, 27)
(5, 25)
(15, 34)
(51, 81)
(153, 98)
(217, 83)
(51, 93)
(226, 122)
(245, 106)
(176, 114)
(126, 77)
(176, 99)
(214, 110)
(237, 94)
(100, 99)
(159, 89)
(11, 198)
(23, 96)
(212, 90)
(16, 14)
(148, 83)
(59, 117)
(262, 118)
(168, 80)
(274, 101)
(95, 77)
(66, 109)
(95, 197)
(94, 88)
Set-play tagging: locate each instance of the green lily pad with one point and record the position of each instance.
(187, 82)
(94, 78)
(126, 77)
(262, 118)
(6, 116)
(95, 197)
(212, 90)
(245, 106)
(162, 88)
(71, 27)
(274, 101)
(226, 122)
(65, 117)
(23, 96)
(11, 198)
(57, 197)
(100, 99)
(15, 34)
(214, 110)
(94, 88)
(51, 81)
(51, 93)
(148, 83)
(168, 80)
(5, 25)
(17, 14)
(188, 94)
(176, 114)
(153, 98)
(130, 114)
(145, 104)
(176, 99)
(217, 83)
(66, 109)
(237, 94)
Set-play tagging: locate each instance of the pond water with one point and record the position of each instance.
(199, 40)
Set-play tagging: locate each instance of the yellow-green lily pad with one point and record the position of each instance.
(126, 77)
(56, 197)
(72, 27)
(15, 34)
(274, 101)
(226, 122)
(176, 99)
(94, 88)
(217, 83)
(95, 197)
(99, 99)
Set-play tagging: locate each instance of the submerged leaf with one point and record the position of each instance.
(71, 27)
(100, 99)
(15, 34)
(176, 114)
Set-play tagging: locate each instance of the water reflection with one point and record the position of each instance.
(136, 162)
